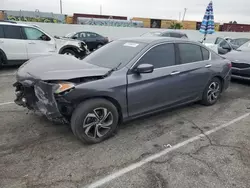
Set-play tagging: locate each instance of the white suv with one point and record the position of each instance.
(21, 42)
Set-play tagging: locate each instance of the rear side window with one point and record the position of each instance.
(12, 32)
(205, 53)
(159, 56)
(1, 32)
(91, 35)
(176, 35)
(190, 53)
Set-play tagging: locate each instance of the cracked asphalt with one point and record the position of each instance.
(35, 153)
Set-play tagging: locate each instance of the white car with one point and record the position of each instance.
(21, 42)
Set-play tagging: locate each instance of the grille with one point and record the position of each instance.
(241, 65)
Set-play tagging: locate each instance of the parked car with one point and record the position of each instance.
(175, 34)
(145, 75)
(239, 56)
(234, 44)
(21, 42)
(93, 40)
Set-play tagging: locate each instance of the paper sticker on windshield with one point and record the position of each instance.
(131, 44)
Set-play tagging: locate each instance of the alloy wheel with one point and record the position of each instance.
(213, 92)
(98, 123)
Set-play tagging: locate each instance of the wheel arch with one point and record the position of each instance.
(70, 47)
(110, 99)
(3, 55)
(221, 80)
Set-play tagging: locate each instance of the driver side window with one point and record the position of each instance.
(35, 34)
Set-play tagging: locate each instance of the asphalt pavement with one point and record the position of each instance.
(192, 146)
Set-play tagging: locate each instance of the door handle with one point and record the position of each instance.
(175, 72)
(208, 66)
(32, 43)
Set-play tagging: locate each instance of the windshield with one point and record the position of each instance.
(245, 47)
(115, 53)
(70, 34)
(151, 34)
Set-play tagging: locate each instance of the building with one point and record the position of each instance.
(78, 15)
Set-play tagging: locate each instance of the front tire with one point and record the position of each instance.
(94, 121)
(99, 46)
(69, 52)
(212, 92)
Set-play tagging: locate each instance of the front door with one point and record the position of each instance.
(152, 91)
(38, 43)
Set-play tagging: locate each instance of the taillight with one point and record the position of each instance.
(230, 65)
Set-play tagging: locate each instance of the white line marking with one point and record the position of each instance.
(6, 103)
(160, 154)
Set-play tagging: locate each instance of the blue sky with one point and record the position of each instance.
(224, 10)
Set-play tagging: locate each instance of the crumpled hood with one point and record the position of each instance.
(238, 56)
(58, 67)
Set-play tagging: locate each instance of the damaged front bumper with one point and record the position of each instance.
(39, 96)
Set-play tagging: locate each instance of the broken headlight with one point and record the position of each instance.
(61, 87)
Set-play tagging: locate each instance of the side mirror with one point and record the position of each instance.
(226, 47)
(144, 68)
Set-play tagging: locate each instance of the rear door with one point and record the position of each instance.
(13, 43)
(151, 91)
(194, 69)
(38, 43)
(93, 39)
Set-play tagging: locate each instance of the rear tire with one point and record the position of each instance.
(212, 92)
(94, 120)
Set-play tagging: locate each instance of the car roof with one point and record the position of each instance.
(16, 24)
(149, 40)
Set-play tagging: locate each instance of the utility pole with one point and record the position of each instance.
(100, 9)
(185, 10)
(179, 16)
(61, 6)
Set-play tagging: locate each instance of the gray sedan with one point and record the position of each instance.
(123, 80)
(240, 58)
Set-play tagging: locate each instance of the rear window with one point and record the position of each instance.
(175, 35)
(115, 53)
(12, 32)
(1, 32)
(190, 53)
(205, 53)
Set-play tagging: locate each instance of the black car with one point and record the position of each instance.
(174, 34)
(93, 40)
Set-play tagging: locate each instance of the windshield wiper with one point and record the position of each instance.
(113, 69)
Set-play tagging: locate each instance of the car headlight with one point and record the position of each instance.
(63, 86)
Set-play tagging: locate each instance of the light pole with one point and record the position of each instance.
(61, 6)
